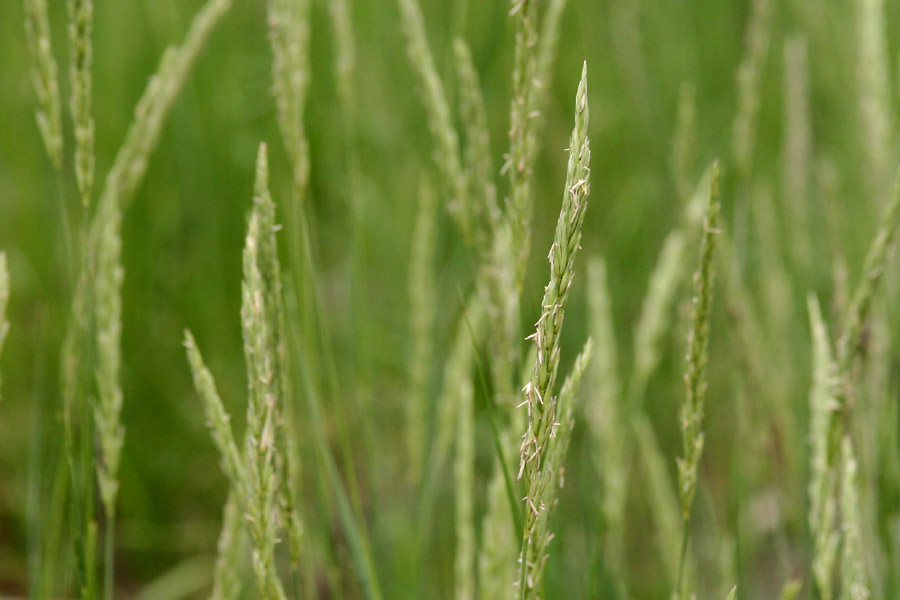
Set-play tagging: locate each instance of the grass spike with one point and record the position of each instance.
(440, 123)
(81, 24)
(44, 79)
(477, 155)
(695, 376)
(823, 482)
(289, 39)
(749, 74)
(230, 553)
(854, 580)
(541, 401)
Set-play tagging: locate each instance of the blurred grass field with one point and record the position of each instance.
(183, 234)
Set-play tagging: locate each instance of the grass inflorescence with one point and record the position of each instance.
(387, 421)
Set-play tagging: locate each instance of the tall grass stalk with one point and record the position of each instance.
(874, 95)
(553, 469)
(798, 148)
(226, 584)
(287, 462)
(457, 368)
(496, 278)
(749, 74)
(104, 272)
(748, 77)
(695, 376)
(854, 580)
(107, 298)
(78, 431)
(345, 62)
(218, 421)
(669, 273)
(605, 416)
(829, 430)
(655, 312)
(44, 79)
(289, 39)
(663, 499)
(681, 162)
(353, 526)
(823, 481)
(625, 422)
(230, 553)
(496, 561)
(464, 489)
(522, 144)
(477, 161)
(535, 50)
(142, 136)
(256, 481)
(849, 346)
(81, 23)
(422, 304)
(440, 123)
(539, 474)
(262, 410)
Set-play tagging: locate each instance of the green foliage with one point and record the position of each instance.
(368, 347)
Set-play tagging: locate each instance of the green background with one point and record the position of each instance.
(183, 236)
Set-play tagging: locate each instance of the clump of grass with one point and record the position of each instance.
(832, 461)
(695, 377)
(542, 434)
(104, 247)
(91, 356)
(253, 474)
